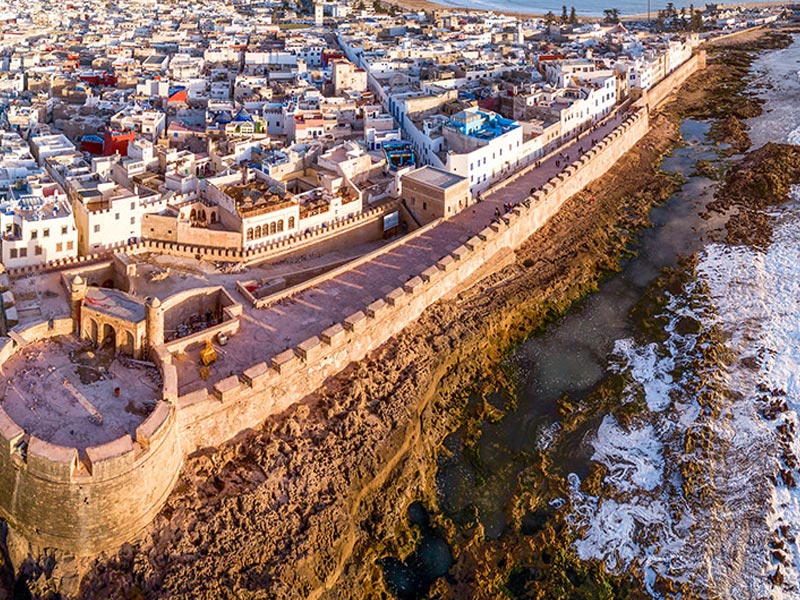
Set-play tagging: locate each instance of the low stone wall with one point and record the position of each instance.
(328, 275)
(86, 504)
(367, 219)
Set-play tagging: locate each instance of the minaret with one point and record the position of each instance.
(319, 14)
(154, 323)
(77, 292)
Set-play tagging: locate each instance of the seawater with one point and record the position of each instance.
(583, 9)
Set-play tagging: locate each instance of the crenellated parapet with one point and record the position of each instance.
(93, 500)
(86, 501)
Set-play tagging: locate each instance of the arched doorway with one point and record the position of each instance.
(126, 343)
(90, 331)
(109, 337)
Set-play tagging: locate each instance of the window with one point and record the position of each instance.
(13, 253)
(38, 250)
(133, 205)
(34, 234)
(250, 234)
(257, 234)
(23, 252)
(70, 245)
(133, 220)
(280, 225)
(46, 233)
(424, 206)
(63, 230)
(116, 216)
(59, 247)
(291, 223)
(273, 228)
(97, 228)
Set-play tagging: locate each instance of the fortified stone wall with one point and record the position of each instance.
(268, 387)
(84, 503)
(662, 90)
(92, 503)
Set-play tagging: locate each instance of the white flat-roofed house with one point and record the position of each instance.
(482, 146)
(107, 215)
(600, 88)
(150, 124)
(36, 224)
(45, 146)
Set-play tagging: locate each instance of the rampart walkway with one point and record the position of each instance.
(267, 332)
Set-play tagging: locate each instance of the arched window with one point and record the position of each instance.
(203, 215)
(291, 223)
(258, 231)
(213, 217)
(273, 228)
(280, 225)
(250, 234)
(192, 215)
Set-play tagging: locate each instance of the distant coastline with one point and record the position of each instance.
(629, 9)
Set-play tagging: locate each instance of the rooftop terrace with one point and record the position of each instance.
(481, 125)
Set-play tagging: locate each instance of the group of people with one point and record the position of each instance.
(509, 206)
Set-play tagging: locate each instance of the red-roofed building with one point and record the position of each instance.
(117, 141)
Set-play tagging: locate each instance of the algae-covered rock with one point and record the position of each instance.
(762, 179)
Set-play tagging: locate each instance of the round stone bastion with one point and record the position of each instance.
(89, 449)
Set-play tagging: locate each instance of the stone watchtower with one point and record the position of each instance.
(77, 292)
(154, 322)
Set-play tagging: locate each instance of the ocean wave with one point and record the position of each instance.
(794, 137)
(701, 490)
(761, 290)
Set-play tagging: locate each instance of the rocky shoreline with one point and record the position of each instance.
(314, 499)
(305, 506)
